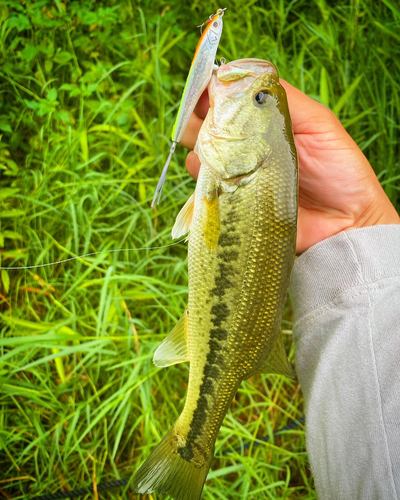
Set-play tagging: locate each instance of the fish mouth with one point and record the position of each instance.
(230, 138)
(259, 65)
(241, 68)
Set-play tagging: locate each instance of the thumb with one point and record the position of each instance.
(308, 116)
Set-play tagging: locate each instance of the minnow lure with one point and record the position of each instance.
(198, 78)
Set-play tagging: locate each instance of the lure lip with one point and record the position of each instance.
(163, 176)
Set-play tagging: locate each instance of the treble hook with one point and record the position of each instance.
(220, 12)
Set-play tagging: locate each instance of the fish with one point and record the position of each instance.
(197, 80)
(242, 222)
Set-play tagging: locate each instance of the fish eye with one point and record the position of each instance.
(215, 24)
(262, 96)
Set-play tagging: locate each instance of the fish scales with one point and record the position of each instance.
(236, 322)
(241, 251)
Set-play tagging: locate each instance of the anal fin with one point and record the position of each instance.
(276, 361)
(174, 348)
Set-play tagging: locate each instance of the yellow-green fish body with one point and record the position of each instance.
(242, 238)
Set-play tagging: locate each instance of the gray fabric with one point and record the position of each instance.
(346, 296)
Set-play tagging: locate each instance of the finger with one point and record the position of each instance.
(191, 132)
(193, 164)
(189, 137)
(308, 116)
(202, 105)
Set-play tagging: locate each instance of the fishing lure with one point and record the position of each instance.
(198, 78)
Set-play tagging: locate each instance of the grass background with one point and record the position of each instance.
(88, 94)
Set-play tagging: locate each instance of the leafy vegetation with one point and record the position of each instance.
(88, 94)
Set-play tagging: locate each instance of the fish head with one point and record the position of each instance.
(247, 103)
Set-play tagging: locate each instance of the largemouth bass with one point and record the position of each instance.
(242, 220)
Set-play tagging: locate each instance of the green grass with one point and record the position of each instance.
(88, 93)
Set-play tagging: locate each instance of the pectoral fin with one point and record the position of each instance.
(184, 219)
(277, 361)
(174, 348)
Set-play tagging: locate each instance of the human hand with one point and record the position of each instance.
(338, 189)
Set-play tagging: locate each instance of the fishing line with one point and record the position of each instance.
(123, 482)
(81, 491)
(265, 439)
(11, 268)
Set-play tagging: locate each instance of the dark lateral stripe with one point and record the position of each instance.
(227, 240)
(220, 313)
(218, 335)
(229, 255)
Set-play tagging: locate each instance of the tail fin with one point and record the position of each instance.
(166, 471)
